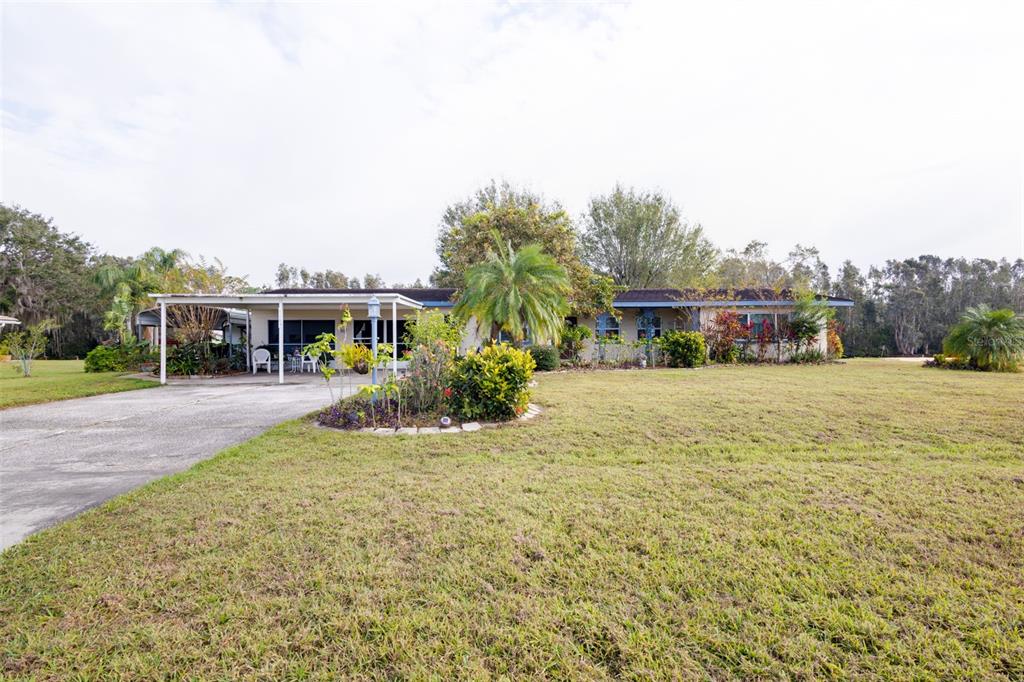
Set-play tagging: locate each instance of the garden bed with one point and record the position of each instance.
(382, 417)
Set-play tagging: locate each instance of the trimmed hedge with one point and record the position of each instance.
(684, 349)
(545, 357)
(492, 384)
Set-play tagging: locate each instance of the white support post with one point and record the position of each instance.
(280, 342)
(248, 339)
(163, 342)
(394, 339)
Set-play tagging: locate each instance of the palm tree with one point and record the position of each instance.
(128, 286)
(517, 291)
(990, 339)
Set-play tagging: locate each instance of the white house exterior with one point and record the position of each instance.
(305, 313)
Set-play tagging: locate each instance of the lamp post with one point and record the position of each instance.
(373, 310)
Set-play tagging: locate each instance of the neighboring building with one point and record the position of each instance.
(229, 328)
(306, 313)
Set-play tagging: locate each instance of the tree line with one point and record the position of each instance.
(628, 238)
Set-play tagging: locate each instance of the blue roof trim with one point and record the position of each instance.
(437, 304)
(724, 304)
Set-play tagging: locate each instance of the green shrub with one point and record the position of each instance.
(988, 339)
(811, 356)
(185, 359)
(103, 359)
(948, 362)
(573, 338)
(545, 357)
(492, 384)
(127, 357)
(683, 349)
(430, 326)
(429, 373)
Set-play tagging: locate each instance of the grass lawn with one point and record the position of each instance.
(58, 380)
(863, 520)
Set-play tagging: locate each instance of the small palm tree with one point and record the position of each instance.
(128, 286)
(990, 339)
(515, 291)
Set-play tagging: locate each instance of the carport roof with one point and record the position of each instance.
(305, 298)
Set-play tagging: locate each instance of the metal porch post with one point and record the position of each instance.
(280, 342)
(394, 339)
(163, 342)
(248, 339)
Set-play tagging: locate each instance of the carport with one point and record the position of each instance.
(264, 310)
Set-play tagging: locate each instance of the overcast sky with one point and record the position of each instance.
(333, 136)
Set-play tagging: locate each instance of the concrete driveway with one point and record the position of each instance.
(61, 458)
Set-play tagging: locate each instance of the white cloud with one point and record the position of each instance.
(334, 135)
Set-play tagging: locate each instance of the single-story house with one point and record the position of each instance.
(305, 313)
(8, 321)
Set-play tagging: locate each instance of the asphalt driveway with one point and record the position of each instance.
(60, 458)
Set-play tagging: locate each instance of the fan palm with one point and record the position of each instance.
(516, 291)
(991, 339)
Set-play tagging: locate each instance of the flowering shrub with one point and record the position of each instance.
(492, 384)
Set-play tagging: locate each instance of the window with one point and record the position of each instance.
(757, 320)
(607, 326)
(648, 323)
(505, 337)
(298, 333)
(362, 333)
(686, 320)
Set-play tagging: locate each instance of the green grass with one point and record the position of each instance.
(848, 521)
(59, 380)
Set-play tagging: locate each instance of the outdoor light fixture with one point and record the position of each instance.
(373, 308)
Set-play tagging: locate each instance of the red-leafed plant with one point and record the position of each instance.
(765, 337)
(723, 333)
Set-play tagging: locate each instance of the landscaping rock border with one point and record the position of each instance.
(532, 411)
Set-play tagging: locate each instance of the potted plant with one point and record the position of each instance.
(356, 357)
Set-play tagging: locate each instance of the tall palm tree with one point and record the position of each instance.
(517, 291)
(991, 339)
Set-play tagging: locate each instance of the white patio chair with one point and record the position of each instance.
(260, 356)
(311, 362)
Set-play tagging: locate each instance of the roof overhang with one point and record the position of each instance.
(721, 304)
(250, 300)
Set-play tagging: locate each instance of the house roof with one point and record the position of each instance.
(714, 297)
(422, 294)
(633, 298)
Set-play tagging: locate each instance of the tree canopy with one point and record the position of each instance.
(44, 273)
(520, 218)
(640, 240)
